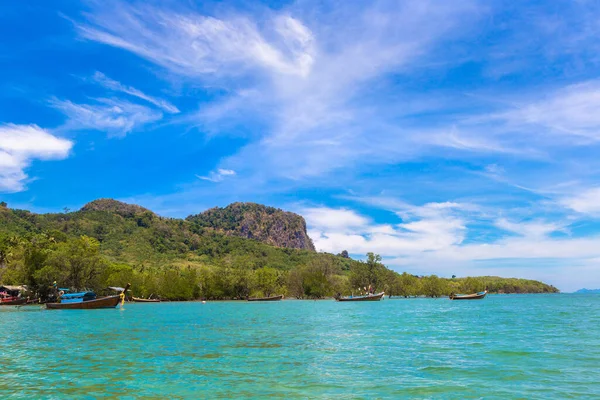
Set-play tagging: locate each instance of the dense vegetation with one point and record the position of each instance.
(108, 243)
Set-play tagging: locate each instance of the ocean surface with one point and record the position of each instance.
(505, 346)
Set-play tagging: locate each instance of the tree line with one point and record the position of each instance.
(222, 268)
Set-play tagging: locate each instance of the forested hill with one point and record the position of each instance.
(210, 255)
(255, 221)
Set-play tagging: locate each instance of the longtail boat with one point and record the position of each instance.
(368, 297)
(87, 301)
(12, 301)
(12, 295)
(474, 296)
(140, 300)
(272, 298)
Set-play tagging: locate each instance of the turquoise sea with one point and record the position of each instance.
(505, 346)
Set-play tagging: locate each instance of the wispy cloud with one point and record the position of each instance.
(218, 175)
(114, 116)
(111, 84)
(193, 44)
(309, 73)
(530, 229)
(19, 146)
(571, 110)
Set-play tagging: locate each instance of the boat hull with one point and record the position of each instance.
(474, 296)
(273, 298)
(16, 302)
(104, 302)
(374, 297)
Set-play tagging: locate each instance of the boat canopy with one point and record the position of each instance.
(77, 297)
(13, 290)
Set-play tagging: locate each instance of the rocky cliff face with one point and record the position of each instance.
(255, 221)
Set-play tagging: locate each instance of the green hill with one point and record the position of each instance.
(255, 221)
(241, 250)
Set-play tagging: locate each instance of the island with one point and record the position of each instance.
(235, 252)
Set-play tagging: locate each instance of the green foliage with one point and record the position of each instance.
(267, 281)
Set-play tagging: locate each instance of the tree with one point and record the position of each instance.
(267, 280)
(433, 286)
(79, 262)
(5, 250)
(295, 283)
(369, 273)
(344, 254)
(315, 284)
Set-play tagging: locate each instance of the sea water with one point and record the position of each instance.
(505, 346)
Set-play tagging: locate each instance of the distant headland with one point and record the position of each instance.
(588, 291)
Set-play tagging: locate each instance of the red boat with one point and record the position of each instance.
(6, 300)
(11, 296)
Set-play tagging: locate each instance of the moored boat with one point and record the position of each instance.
(87, 301)
(12, 301)
(368, 297)
(474, 296)
(272, 298)
(12, 296)
(140, 300)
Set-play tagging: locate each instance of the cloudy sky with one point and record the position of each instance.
(450, 137)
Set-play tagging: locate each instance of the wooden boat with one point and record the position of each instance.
(272, 298)
(474, 296)
(11, 296)
(140, 300)
(369, 297)
(87, 301)
(12, 301)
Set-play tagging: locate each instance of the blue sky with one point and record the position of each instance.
(450, 137)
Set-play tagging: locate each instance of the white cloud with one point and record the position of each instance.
(433, 228)
(468, 139)
(218, 175)
(193, 44)
(433, 242)
(571, 110)
(532, 229)
(116, 117)
(338, 220)
(587, 201)
(119, 87)
(19, 146)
